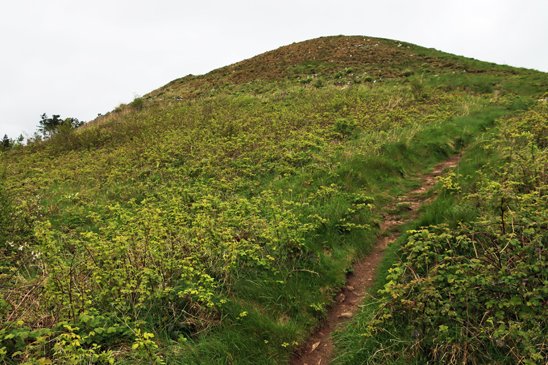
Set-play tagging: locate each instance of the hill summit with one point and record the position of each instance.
(366, 58)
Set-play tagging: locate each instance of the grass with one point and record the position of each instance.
(220, 213)
(486, 154)
(277, 315)
(352, 347)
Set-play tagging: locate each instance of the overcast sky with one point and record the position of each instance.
(79, 58)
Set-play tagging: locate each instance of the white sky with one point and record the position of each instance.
(79, 58)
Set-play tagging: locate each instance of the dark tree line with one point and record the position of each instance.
(6, 143)
(47, 128)
(51, 126)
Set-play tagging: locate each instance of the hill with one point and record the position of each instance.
(214, 219)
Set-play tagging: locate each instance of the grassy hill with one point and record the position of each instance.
(213, 219)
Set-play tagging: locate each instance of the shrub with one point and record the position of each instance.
(319, 83)
(119, 108)
(6, 143)
(137, 103)
(345, 127)
(54, 125)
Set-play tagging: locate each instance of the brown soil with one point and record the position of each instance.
(377, 58)
(318, 349)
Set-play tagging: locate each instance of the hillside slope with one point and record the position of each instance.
(468, 282)
(212, 220)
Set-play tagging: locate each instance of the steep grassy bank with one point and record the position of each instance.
(212, 220)
(469, 281)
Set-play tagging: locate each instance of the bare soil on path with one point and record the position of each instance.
(318, 349)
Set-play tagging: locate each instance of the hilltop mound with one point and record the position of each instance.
(363, 58)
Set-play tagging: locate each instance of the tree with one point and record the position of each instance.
(47, 126)
(51, 126)
(6, 143)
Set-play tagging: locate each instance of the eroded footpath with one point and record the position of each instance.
(318, 349)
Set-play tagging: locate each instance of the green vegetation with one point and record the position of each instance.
(212, 220)
(6, 143)
(56, 125)
(469, 285)
(137, 103)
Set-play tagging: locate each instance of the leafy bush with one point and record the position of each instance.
(137, 103)
(119, 108)
(6, 143)
(345, 127)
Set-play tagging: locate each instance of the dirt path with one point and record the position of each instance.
(318, 350)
